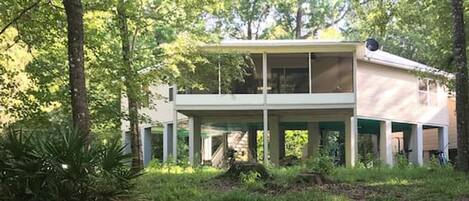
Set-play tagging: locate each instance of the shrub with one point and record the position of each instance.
(322, 164)
(251, 180)
(402, 161)
(238, 168)
(369, 161)
(58, 165)
(435, 164)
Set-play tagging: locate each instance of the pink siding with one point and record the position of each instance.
(390, 93)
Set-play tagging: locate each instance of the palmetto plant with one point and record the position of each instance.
(58, 165)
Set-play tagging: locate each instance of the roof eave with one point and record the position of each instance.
(274, 47)
(430, 70)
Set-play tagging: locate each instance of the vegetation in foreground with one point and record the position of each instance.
(404, 183)
(58, 165)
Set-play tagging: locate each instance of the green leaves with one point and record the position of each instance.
(196, 70)
(417, 30)
(57, 165)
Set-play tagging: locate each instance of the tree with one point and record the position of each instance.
(132, 88)
(460, 61)
(416, 30)
(242, 19)
(142, 27)
(74, 13)
(76, 62)
(302, 19)
(16, 84)
(43, 32)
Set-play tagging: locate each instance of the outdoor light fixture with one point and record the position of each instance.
(371, 44)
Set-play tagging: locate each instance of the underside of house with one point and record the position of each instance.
(298, 99)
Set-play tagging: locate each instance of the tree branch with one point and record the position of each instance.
(132, 45)
(55, 6)
(344, 10)
(10, 45)
(24, 11)
(262, 17)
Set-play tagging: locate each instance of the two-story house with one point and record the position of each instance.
(322, 87)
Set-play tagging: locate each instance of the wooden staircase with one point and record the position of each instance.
(237, 141)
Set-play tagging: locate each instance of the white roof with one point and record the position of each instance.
(392, 60)
(378, 57)
(270, 43)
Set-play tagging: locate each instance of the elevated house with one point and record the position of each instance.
(337, 92)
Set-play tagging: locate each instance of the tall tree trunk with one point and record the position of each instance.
(132, 89)
(80, 113)
(249, 37)
(299, 19)
(459, 52)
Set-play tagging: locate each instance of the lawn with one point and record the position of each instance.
(177, 183)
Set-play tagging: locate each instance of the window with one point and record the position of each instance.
(428, 92)
(252, 79)
(288, 73)
(332, 72)
(293, 80)
(171, 94)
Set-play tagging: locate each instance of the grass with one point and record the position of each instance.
(410, 183)
(176, 183)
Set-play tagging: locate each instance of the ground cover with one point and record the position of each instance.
(165, 183)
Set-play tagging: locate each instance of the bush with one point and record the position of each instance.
(251, 180)
(402, 161)
(369, 161)
(238, 168)
(435, 164)
(59, 166)
(322, 164)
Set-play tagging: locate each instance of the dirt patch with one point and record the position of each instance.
(238, 168)
(357, 191)
(221, 184)
(463, 198)
(270, 187)
(313, 178)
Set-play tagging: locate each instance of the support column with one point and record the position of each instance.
(225, 145)
(174, 153)
(145, 135)
(406, 133)
(314, 138)
(281, 143)
(385, 142)
(127, 141)
(350, 141)
(174, 136)
(265, 136)
(252, 144)
(274, 140)
(265, 111)
(194, 140)
(207, 148)
(416, 145)
(443, 140)
(375, 145)
(167, 142)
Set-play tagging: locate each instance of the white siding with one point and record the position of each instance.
(391, 93)
(160, 110)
